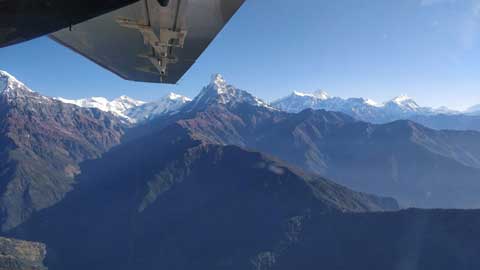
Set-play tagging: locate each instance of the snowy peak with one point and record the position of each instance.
(13, 90)
(401, 99)
(219, 92)
(401, 107)
(218, 89)
(168, 105)
(319, 94)
(9, 83)
(128, 101)
(133, 110)
(370, 102)
(299, 101)
(176, 97)
(117, 106)
(405, 102)
(124, 103)
(218, 83)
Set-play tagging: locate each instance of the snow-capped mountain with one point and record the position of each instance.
(51, 139)
(219, 92)
(473, 110)
(9, 84)
(131, 109)
(118, 106)
(401, 107)
(403, 103)
(167, 105)
(15, 91)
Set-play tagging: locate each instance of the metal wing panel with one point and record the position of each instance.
(22, 20)
(115, 40)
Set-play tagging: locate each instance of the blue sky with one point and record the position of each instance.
(428, 49)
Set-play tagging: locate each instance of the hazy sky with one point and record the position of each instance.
(428, 49)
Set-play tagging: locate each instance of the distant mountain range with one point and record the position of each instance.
(474, 110)
(118, 106)
(130, 109)
(227, 181)
(399, 108)
(367, 109)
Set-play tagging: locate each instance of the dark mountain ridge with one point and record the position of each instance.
(170, 188)
(171, 201)
(225, 212)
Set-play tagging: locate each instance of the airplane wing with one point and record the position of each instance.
(22, 20)
(150, 40)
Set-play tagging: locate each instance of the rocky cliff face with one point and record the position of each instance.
(21, 255)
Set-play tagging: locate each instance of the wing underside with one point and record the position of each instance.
(149, 42)
(22, 20)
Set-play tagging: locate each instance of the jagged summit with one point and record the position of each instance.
(218, 91)
(218, 87)
(14, 91)
(218, 83)
(403, 102)
(9, 83)
(169, 104)
(319, 94)
(401, 98)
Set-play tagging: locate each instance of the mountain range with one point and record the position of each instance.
(473, 110)
(373, 158)
(399, 108)
(417, 165)
(227, 181)
(130, 109)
